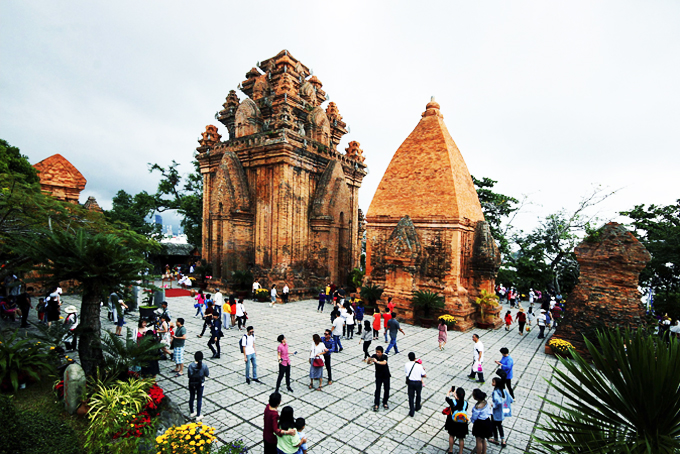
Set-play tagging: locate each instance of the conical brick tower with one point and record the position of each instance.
(425, 226)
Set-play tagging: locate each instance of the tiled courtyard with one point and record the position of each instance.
(340, 418)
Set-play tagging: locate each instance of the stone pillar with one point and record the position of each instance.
(74, 386)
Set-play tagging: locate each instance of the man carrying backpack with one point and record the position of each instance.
(247, 346)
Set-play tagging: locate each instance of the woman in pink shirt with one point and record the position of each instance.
(390, 305)
(284, 362)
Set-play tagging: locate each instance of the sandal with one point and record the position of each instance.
(503, 444)
(375, 408)
(386, 407)
(310, 386)
(319, 388)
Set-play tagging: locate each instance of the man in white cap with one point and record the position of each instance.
(540, 320)
(71, 321)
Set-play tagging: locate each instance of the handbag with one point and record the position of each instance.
(446, 411)
(409, 374)
(318, 362)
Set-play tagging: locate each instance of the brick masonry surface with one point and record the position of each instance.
(339, 418)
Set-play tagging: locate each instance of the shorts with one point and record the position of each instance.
(121, 321)
(178, 355)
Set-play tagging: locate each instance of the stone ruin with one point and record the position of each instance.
(607, 294)
(425, 227)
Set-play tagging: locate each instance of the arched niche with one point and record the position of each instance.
(320, 126)
(248, 118)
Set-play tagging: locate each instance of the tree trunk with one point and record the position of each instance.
(90, 349)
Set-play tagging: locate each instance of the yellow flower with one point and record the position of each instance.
(192, 443)
(51, 348)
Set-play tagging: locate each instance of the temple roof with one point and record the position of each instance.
(427, 177)
(58, 171)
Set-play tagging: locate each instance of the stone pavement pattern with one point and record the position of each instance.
(339, 418)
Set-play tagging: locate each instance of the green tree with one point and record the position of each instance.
(13, 162)
(184, 194)
(133, 211)
(624, 402)
(496, 208)
(658, 229)
(100, 261)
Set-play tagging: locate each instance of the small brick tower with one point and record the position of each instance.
(279, 198)
(425, 227)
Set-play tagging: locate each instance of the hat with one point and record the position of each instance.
(70, 310)
(542, 311)
(521, 309)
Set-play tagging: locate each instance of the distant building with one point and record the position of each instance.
(59, 178)
(158, 219)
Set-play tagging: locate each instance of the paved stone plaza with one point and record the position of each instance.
(340, 418)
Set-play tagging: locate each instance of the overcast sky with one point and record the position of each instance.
(548, 98)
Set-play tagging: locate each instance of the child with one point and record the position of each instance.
(386, 318)
(482, 426)
(508, 320)
(376, 323)
(322, 301)
(300, 426)
(367, 338)
(200, 304)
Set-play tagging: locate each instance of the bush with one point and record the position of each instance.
(624, 402)
(22, 360)
(235, 447)
(33, 433)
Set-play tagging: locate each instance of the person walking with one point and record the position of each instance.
(508, 320)
(359, 312)
(500, 401)
(367, 338)
(414, 380)
(457, 420)
(200, 304)
(271, 424)
(247, 343)
(316, 362)
(178, 341)
(331, 347)
(285, 293)
(376, 323)
(349, 322)
(226, 313)
(284, 363)
(521, 319)
(386, 318)
(322, 301)
(218, 303)
(197, 373)
(540, 321)
(382, 377)
(24, 305)
(272, 294)
(240, 314)
(482, 427)
(338, 324)
(477, 359)
(507, 364)
(390, 305)
(393, 327)
(207, 317)
(215, 335)
(443, 334)
(53, 314)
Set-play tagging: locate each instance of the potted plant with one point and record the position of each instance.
(488, 309)
(147, 312)
(449, 320)
(262, 295)
(371, 293)
(242, 281)
(428, 302)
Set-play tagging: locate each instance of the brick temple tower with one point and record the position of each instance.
(425, 228)
(279, 198)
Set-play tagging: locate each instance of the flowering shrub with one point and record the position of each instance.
(235, 447)
(262, 294)
(450, 320)
(560, 346)
(186, 439)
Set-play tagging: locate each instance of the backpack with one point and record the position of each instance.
(241, 345)
(461, 415)
(195, 376)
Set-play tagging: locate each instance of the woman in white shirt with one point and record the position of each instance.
(316, 362)
(273, 294)
(350, 323)
(240, 314)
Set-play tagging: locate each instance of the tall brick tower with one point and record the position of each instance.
(425, 228)
(279, 198)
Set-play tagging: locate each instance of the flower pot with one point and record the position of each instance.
(426, 322)
(82, 409)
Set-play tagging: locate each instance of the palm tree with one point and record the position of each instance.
(624, 402)
(486, 301)
(427, 301)
(100, 262)
(122, 354)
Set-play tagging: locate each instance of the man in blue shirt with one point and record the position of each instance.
(507, 364)
(330, 346)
